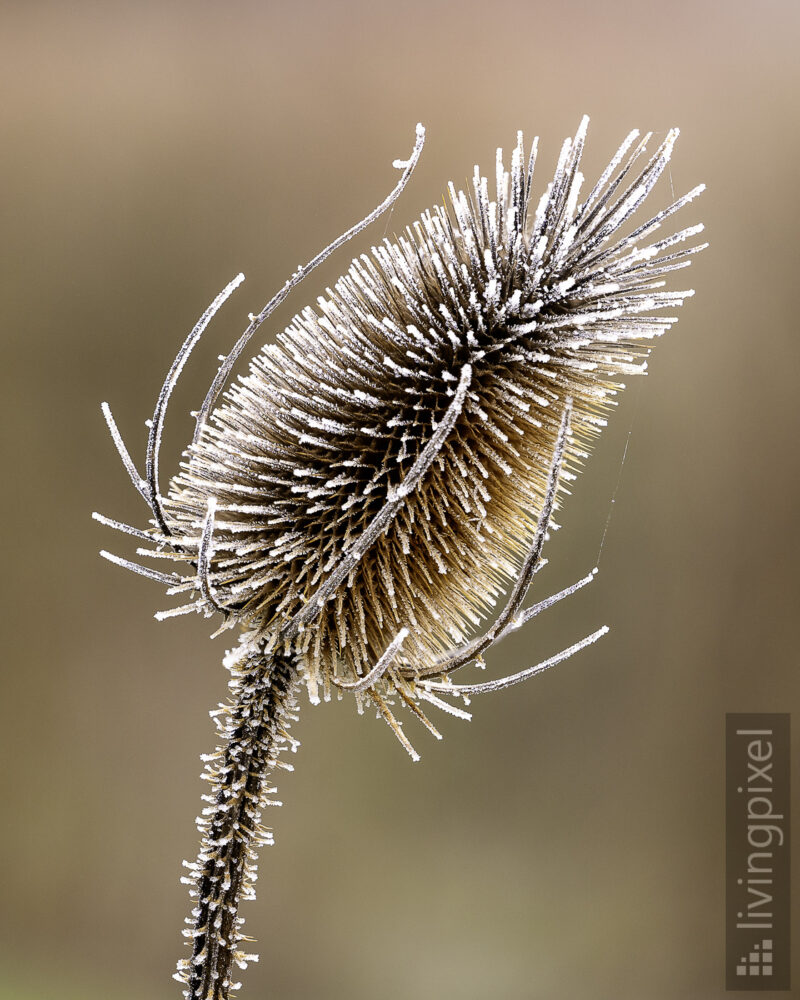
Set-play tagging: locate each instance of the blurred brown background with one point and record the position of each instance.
(568, 843)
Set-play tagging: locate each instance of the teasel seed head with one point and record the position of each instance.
(361, 498)
(540, 302)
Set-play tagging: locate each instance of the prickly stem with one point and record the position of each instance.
(254, 731)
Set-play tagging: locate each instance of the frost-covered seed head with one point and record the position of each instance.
(544, 300)
(360, 499)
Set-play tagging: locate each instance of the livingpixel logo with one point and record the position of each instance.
(757, 852)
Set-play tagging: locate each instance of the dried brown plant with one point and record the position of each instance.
(362, 498)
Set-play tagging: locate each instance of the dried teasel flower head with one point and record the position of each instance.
(361, 499)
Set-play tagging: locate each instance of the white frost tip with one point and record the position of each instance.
(409, 163)
(670, 141)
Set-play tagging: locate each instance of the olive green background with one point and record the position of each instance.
(568, 842)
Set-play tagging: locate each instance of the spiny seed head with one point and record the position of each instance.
(537, 302)
(363, 495)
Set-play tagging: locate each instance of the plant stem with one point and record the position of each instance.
(253, 728)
